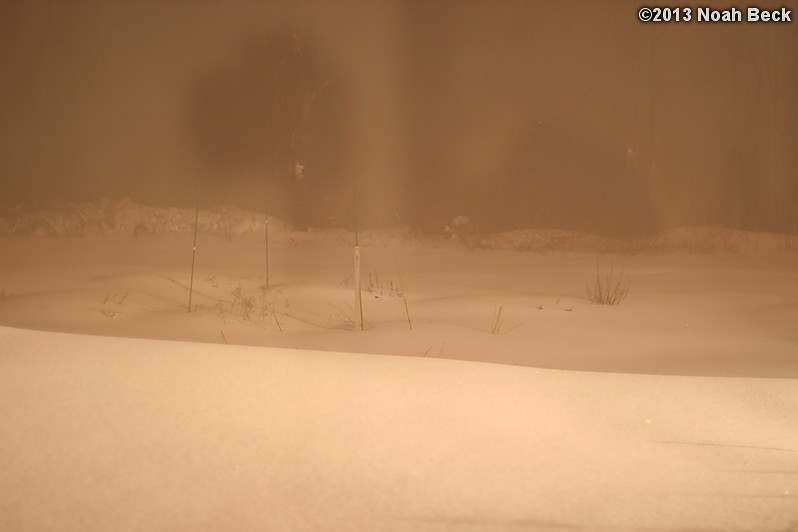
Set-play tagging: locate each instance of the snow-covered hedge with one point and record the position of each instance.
(129, 217)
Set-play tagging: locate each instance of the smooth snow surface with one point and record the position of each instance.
(126, 434)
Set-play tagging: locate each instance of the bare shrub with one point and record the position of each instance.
(607, 287)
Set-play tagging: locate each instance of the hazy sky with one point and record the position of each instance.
(443, 102)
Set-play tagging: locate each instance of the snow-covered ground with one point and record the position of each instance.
(682, 414)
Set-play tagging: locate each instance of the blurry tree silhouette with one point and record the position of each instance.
(772, 58)
(761, 184)
(261, 113)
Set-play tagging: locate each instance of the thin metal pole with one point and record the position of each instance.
(267, 251)
(358, 297)
(266, 207)
(193, 255)
(358, 300)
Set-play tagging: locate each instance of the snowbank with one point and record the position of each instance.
(120, 434)
(124, 216)
(128, 217)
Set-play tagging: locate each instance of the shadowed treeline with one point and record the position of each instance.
(513, 113)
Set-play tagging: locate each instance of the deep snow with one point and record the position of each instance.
(104, 433)
(683, 414)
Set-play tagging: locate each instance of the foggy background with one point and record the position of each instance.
(516, 114)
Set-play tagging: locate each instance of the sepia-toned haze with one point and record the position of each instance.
(514, 113)
(408, 266)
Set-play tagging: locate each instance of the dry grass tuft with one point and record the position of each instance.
(607, 287)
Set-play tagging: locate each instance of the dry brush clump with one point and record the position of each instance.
(258, 309)
(607, 287)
